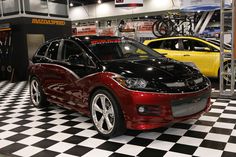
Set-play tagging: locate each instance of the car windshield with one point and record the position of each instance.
(121, 48)
(217, 43)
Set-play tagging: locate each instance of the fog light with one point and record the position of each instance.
(141, 109)
(149, 110)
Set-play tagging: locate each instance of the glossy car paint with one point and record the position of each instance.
(71, 86)
(208, 62)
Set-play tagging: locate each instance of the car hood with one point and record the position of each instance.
(162, 75)
(163, 69)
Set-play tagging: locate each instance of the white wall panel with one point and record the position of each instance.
(108, 9)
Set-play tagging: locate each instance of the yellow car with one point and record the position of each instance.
(205, 54)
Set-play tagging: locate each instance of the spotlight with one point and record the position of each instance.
(99, 1)
(71, 4)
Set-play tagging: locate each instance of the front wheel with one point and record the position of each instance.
(106, 114)
(228, 70)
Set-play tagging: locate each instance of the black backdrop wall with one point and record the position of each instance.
(20, 27)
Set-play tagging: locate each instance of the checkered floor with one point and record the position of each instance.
(54, 131)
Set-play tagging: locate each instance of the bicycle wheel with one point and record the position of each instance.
(162, 28)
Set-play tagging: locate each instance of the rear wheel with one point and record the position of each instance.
(37, 96)
(106, 114)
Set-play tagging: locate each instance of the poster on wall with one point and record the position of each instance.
(84, 30)
(144, 26)
(138, 26)
(202, 5)
(107, 31)
(128, 3)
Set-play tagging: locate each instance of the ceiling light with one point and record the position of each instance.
(99, 1)
(71, 4)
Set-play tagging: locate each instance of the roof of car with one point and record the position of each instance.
(175, 37)
(83, 38)
(94, 37)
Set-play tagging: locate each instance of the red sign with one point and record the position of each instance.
(128, 3)
(86, 30)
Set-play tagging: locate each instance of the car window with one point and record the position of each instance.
(42, 50)
(194, 45)
(121, 48)
(155, 44)
(187, 45)
(110, 51)
(172, 44)
(71, 49)
(53, 50)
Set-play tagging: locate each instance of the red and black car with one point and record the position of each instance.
(117, 81)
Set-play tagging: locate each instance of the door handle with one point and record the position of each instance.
(186, 55)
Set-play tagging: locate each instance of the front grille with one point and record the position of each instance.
(186, 107)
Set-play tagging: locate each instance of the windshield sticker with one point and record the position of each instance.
(105, 41)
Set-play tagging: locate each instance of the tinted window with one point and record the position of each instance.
(53, 50)
(194, 45)
(155, 44)
(73, 50)
(42, 50)
(187, 45)
(113, 49)
(170, 44)
(70, 48)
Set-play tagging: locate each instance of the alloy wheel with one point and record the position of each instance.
(35, 92)
(227, 69)
(103, 113)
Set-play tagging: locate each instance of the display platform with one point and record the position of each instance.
(26, 131)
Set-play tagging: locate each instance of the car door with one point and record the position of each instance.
(52, 75)
(169, 47)
(203, 55)
(78, 64)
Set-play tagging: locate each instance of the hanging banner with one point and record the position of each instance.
(128, 3)
(107, 31)
(85, 30)
(202, 5)
(144, 26)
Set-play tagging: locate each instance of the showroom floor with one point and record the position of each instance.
(54, 131)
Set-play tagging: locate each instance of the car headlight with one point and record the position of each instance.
(132, 83)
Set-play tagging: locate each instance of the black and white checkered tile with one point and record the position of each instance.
(26, 131)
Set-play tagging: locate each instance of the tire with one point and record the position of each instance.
(227, 68)
(37, 96)
(106, 114)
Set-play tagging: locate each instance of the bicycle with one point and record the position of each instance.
(173, 25)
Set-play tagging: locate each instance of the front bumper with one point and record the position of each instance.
(172, 107)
